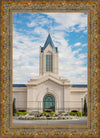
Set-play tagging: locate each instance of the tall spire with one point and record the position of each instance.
(49, 42)
(49, 30)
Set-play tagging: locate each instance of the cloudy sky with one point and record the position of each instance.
(68, 32)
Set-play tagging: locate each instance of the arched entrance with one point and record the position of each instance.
(49, 102)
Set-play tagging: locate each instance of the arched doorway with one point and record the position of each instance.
(49, 102)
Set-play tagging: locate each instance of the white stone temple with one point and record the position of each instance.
(49, 91)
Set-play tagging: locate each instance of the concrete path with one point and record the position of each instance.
(81, 121)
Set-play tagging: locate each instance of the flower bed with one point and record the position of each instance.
(32, 117)
(50, 116)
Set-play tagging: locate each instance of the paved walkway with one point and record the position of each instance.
(81, 121)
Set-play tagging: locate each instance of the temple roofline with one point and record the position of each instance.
(73, 85)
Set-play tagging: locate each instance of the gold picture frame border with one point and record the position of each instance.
(6, 73)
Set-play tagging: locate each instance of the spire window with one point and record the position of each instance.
(49, 63)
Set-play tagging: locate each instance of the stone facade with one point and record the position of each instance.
(67, 97)
(30, 97)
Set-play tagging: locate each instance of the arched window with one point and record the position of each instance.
(49, 63)
(49, 102)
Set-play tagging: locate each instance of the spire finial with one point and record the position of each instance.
(49, 30)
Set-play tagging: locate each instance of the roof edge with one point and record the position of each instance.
(73, 85)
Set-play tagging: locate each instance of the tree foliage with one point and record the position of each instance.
(14, 107)
(85, 106)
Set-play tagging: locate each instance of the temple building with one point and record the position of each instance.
(49, 91)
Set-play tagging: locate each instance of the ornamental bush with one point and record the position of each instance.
(52, 113)
(72, 113)
(85, 107)
(45, 113)
(66, 114)
(21, 113)
(79, 114)
(25, 113)
(14, 107)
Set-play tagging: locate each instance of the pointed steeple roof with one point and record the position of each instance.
(49, 42)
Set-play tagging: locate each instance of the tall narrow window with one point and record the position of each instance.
(49, 63)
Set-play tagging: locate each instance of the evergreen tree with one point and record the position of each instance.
(14, 107)
(85, 106)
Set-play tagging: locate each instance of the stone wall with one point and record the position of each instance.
(66, 97)
(20, 95)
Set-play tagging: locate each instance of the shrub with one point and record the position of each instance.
(85, 107)
(44, 113)
(21, 113)
(14, 107)
(66, 114)
(52, 113)
(38, 115)
(25, 113)
(79, 114)
(32, 118)
(72, 113)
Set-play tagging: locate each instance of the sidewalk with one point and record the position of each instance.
(81, 121)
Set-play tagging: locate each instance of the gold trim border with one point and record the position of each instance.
(5, 129)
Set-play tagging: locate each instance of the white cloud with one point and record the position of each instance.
(40, 31)
(25, 57)
(77, 44)
(84, 45)
(26, 48)
(32, 24)
(39, 21)
(77, 51)
(69, 21)
(85, 31)
(82, 56)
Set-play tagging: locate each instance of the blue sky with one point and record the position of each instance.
(68, 32)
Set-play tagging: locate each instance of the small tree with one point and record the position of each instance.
(14, 107)
(85, 106)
